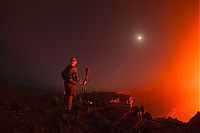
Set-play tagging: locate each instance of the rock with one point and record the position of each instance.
(47, 114)
(15, 107)
(147, 116)
(194, 123)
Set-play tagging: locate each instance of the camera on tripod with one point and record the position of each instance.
(86, 77)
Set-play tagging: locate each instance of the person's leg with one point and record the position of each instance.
(71, 92)
(69, 103)
(68, 97)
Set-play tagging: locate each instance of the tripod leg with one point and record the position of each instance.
(81, 95)
(96, 96)
(82, 99)
(81, 92)
(91, 85)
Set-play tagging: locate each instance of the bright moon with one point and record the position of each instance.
(139, 38)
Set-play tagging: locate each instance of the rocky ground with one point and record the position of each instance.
(45, 113)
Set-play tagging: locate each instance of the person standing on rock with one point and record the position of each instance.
(70, 76)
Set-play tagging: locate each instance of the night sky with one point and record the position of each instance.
(37, 38)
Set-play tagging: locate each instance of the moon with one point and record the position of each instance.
(139, 37)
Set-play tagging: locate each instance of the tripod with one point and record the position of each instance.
(86, 82)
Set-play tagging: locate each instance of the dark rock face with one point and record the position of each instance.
(46, 114)
(194, 123)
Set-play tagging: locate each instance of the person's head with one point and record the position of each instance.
(73, 61)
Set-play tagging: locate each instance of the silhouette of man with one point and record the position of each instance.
(70, 76)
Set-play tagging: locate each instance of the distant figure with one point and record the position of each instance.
(70, 76)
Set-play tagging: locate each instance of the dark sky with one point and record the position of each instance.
(37, 38)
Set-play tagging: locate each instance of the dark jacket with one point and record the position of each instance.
(70, 74)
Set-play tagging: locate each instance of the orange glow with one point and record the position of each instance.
(183, 67)
(178, 94)
(177, 100)
(184, 59)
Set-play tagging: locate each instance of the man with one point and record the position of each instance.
(70, 76)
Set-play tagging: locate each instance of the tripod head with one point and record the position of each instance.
(86, 73)
(86, 77)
